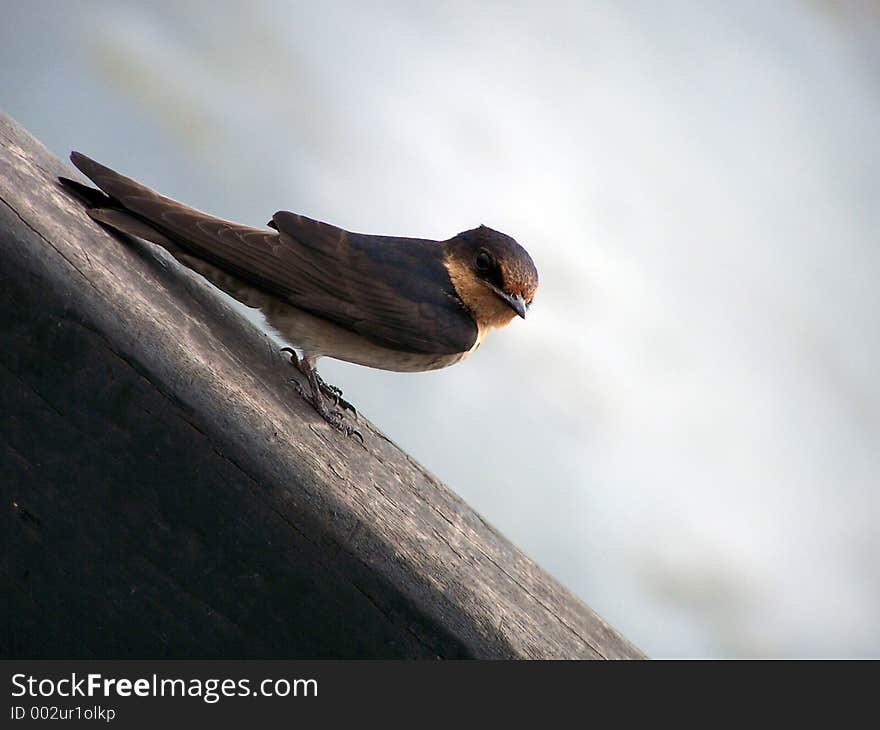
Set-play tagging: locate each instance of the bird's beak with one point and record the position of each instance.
(515, 301)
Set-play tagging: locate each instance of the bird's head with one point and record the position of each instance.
(493, 275)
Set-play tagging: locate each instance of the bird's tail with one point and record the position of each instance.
(104, 209)
(133, 208)
(226, 253)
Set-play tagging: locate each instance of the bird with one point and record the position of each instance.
(386, 302)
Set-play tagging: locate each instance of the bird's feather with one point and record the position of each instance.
(396, 292)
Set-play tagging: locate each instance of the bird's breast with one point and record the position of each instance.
(320, 337)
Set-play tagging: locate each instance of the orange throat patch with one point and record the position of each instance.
(487, 309)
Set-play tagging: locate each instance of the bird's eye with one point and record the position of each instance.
(484, 261)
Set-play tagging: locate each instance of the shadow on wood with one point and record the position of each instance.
(165, 492)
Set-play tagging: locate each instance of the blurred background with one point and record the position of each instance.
(686, 430)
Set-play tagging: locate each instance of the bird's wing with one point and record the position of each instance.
(394, 291)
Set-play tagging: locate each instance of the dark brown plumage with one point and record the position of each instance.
(394, 303)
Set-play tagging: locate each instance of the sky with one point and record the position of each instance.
(685, 429)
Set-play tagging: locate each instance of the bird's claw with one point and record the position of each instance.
(294, 358)
(332, 417)
(331, 391)
(337, 420)
(335, 394)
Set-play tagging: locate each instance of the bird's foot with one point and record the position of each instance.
(331, 391)
(333, 417)
(335, 394)
(315, 396)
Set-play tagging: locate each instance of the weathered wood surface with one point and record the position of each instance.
(165, 493)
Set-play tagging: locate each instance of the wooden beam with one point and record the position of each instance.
(166, 493)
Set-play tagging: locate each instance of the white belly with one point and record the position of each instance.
(318, 337)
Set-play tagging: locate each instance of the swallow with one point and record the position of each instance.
(400, 304)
